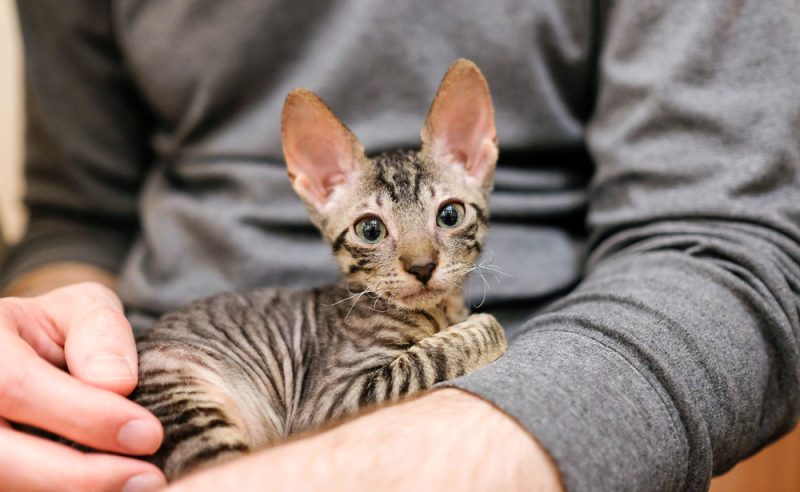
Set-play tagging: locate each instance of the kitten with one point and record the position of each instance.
(243, 370)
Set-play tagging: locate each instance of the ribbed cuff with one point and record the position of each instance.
(605, 426)
(53, 240)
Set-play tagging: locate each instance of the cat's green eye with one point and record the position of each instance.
(450, 215)
(370, 230)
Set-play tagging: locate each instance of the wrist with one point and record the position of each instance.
(444, 440)
(461, 442)
(48, 277)
(526, 464)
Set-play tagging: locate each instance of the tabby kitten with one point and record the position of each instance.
(243, 370)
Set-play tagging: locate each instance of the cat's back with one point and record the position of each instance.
(281, 311)
(246, 353)
(264, 336)
(228, 371)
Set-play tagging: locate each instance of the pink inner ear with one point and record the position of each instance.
(461, 127)
(461, 122)
(320, 152)
(322, 160)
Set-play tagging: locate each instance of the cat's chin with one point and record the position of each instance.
(425, 298)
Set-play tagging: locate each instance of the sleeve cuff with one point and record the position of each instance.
(581, 399)
(54, 240)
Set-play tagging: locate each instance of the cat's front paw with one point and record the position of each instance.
(495, 334)
(482, 340)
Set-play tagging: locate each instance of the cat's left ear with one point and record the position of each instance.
(320, 151)
(460, 125)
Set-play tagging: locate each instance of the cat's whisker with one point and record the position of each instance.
(375, 304)
(355, 301)
(488, 264)
(485, 287)
(357, 294)
(484, 268)
(373, 293)
(469, 289)
(494, 269)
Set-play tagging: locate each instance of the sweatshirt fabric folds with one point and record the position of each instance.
(646, 207)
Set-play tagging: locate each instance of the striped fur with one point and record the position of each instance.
(240, 371)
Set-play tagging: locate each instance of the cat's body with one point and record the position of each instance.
(240, 371)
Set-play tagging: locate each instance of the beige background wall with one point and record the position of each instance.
(11, 216)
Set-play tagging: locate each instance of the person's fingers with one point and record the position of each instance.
(101, 351)
(34, 392)
(25, 318)
(99, 345)
(32, 463)
(88, 319)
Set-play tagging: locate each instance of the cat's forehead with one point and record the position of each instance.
(402, 175)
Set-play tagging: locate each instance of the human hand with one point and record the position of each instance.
(446, 440)
(80, 328)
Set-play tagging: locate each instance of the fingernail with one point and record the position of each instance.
(144, 483)
(109, 367)
(139, 436)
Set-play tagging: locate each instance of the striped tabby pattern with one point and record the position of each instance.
(240, 371)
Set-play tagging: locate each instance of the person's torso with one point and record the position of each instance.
(217, 209)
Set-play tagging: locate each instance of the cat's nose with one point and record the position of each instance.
(422, 272)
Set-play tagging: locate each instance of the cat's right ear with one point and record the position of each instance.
(460, 126)
(320, 151)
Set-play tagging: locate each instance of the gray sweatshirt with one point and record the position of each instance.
(647, 201)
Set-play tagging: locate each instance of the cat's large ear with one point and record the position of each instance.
(460, 125)
(320, 151)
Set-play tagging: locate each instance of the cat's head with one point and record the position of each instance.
(405, 225)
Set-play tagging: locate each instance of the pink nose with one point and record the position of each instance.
(422, 272)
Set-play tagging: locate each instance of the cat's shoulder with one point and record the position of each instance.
(259, 299)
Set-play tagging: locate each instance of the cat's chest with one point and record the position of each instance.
(389, 332)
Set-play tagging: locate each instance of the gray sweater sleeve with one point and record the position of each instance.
(81, 192)
(677, 354)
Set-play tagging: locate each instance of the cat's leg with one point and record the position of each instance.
(460, 349)
(190, 392)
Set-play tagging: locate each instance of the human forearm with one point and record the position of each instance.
(445, 440)
(675, 358)
(677, 355)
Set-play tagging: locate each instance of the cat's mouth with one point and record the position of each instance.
(422, 295)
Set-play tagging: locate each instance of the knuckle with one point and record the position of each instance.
(106, 320)
(104, 314)
(10, 312)
(13, 380)
(98, 293)
(81, 478)
(87, 293)
(89, 287)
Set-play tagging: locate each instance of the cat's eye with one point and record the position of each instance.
(370, 230)
(450, 215)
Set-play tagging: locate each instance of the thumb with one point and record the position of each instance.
(98, 340)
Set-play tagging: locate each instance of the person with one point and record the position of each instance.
(647, 210)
